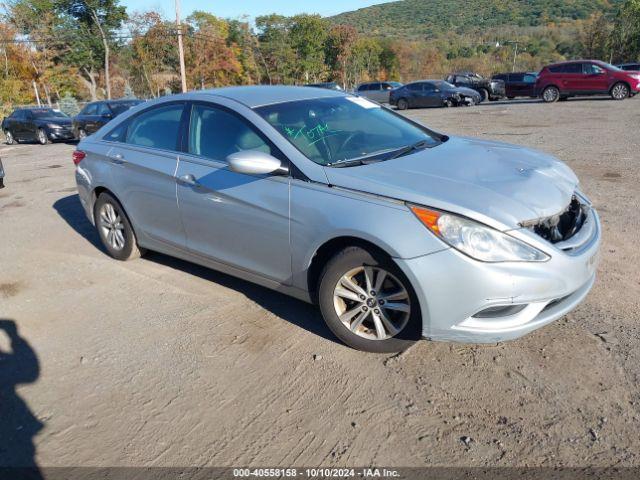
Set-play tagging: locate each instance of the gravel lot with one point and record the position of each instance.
(158, 362)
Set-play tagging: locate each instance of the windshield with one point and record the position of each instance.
(48, 113)
(336, 129)
(118, 108)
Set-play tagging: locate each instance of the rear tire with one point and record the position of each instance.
(484, 95)
(9, 138)
(115, 230)
(368, 302)
(620, 91)
(403, 104)
(551, 94)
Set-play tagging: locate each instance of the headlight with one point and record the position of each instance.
(54, 126)
(476, 240)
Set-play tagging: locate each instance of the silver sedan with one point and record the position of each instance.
(397, 232)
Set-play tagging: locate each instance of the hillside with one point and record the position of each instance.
(432, 18)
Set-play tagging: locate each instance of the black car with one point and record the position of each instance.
(96, 114)
(37, 124)
(488, 89)
(431, 93)
(629, 67)
(518, 84)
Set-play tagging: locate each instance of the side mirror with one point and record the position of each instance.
(254, 162)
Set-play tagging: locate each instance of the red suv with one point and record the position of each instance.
(586, 77)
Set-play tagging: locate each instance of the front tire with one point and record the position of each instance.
(551, 94)
(620, 91)
(403, 104)
(9, 139)
(115, 230)
(484, 95)
(368, 302)
(42, 137)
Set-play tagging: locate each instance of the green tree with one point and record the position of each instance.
(277, 56)
(93, 24)
(307, 37)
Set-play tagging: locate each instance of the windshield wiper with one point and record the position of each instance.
(354, 162)
(410, 149)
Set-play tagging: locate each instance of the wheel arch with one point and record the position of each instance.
(96, 192)
(328, 250)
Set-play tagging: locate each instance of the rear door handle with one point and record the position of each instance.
(189, 179)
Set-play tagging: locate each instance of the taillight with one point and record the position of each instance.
(78, 156)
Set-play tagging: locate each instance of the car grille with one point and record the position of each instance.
(563, 226)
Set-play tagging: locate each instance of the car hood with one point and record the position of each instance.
(54, 120)
(495, 183)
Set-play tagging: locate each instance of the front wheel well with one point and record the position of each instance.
(327, 251)
(622, 82)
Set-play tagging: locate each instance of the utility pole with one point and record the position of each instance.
(183, 75)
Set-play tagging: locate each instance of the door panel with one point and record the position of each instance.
(144, 173)
(236, 219)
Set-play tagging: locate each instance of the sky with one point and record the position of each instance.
(252, 8)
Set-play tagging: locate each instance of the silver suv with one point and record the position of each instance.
(397, 232)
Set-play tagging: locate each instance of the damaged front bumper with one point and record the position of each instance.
(465, 300)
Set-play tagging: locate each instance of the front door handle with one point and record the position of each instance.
(189, 179)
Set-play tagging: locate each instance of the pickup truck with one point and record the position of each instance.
(489, 89)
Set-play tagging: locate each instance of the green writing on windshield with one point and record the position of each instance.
(311, 135)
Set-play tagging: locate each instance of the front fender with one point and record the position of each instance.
(320, 213)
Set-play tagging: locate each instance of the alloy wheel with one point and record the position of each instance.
(82, 134)
(620, 91)
(551, 94)
(111, 226)
(372, 303)
(9, 137)
(42, 137)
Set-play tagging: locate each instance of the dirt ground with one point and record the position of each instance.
(158, 362)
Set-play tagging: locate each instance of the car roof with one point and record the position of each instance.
(261, 95)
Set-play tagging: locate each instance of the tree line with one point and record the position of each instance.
(91, 49)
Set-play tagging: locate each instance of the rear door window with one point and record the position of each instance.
(157, 127)
(415, 87)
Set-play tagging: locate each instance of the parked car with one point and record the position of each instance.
(1, 174)
(325, 85)
(488, 89)
(97, 114)
(377, 91)
(586, 77)
(629, 67)
(42, 125)
(431, 93)
(397, 232)
(518, 84)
